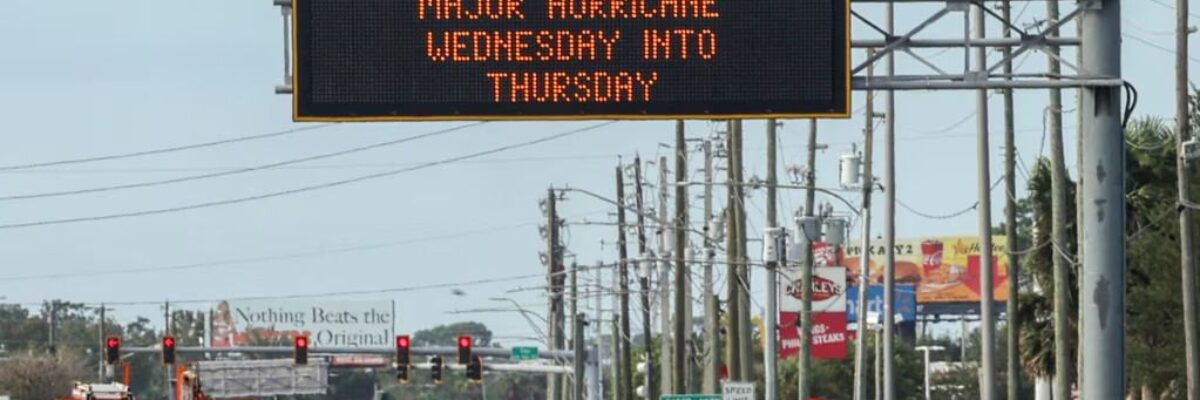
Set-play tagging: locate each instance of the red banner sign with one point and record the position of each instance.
(829, 336)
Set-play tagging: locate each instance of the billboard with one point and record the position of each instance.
(388, 60)
(943, 269)
(906, 302)
(326, 323)
(829, 339)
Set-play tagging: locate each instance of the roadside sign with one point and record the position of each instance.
(737, 390)
(524, 353)
(690, 397)
(371, 60)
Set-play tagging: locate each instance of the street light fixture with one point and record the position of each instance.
(927, 350)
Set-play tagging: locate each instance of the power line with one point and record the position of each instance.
(444, 285)
(1172, 8)
(303, 189)
(261, 259)
(1155, 45)
(951, 215)
(489, 161)
(165, 149)
(240, 170)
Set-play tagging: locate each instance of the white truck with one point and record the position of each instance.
(101, 391)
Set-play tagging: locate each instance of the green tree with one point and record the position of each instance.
(43, 376)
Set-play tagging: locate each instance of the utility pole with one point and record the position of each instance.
(681, 269)
(1058, 219)
(625, 370)
(596, 389)
(745, 338)
(1187, 239)
(1010, 224)
(770, 352)
(986, 314)
(864, 272)
(810, 203)
(52, 327)
(577, 322)
(167, 368)
(619, 393)
(889, 231)
(666, 357)
(1102, 288)
(733, 295)
(644, 279)
(576, 335)
(554, 381)
(103, 335)
(712, 361)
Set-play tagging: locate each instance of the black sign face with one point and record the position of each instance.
(569, 59)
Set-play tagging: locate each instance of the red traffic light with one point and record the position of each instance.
(464, 350)
(300, 350)
(112, 350)
(168, 350)
(403, 342)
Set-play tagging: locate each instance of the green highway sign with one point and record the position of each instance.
(524, 353)
(690, 397)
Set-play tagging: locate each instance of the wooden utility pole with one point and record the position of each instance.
(664, 280)
(733, 355)
(745, 338)
(1187, 257)
(679, 250)
(712, 328)
(625, 370)
(860, 345)
(987, 316)
(1010, 221)
(553, 268)
(810, 203)
(1058, 219)
(644, 279)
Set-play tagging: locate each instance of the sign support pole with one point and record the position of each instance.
(1102, 287)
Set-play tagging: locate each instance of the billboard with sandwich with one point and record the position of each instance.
(943, 269)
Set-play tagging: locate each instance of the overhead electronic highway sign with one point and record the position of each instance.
(363, 60)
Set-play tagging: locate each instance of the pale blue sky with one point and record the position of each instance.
(80, 79)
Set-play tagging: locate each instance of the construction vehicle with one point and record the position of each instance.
(101, 391)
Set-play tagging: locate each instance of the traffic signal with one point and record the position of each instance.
(475, 369)
(300, 350)
(464, 350)
(112, 350)
(436, 368)
(402, 373)
(403, 344)
(168, 350)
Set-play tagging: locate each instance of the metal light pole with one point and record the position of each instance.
(927, 350)
(889, 231)
(1102, 287)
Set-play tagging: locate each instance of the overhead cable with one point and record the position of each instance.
(239, 170)
(302, 189)
(165, 149)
